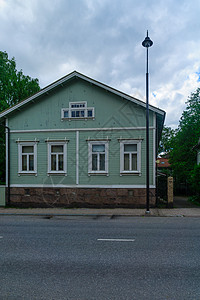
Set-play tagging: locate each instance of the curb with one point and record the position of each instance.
(100, 213)
(96, 216)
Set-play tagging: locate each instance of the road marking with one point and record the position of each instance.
(1, 237)
(117, 240)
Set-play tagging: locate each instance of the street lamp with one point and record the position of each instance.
(147, 43)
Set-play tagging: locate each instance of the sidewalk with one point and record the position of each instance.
(115, 212)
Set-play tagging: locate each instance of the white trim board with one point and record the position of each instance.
(79, 129)
(137, 152)
(90, 154)
(63, 153)
(7, 141)
(77, 157)
(81, 186)
(27, 155)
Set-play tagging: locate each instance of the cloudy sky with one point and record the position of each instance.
(102, 39)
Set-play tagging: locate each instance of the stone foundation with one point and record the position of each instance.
(80, 197)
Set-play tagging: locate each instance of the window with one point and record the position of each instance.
(77, 110)
(98, 157)
(130, 156)
(57, 158)
(27, 152)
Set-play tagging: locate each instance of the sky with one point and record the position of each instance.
(103, 40)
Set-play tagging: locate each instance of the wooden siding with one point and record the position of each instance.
(110, 110)
(113, 177)
(41, 120)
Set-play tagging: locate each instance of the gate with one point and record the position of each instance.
(161, 188)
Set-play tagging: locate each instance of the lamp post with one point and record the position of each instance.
(147, 43)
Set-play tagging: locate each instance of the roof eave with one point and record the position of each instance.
(81, 76)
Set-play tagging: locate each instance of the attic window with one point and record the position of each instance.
(78, 110)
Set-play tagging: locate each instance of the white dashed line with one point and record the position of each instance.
(117, 240)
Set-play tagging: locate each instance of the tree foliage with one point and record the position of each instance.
(183, 156)
(165, 145)
(14, 87)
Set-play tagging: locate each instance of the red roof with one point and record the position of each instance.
(163, 162)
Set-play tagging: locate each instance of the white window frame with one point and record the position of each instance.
(138, 152)
(90, 144)
(20, 145)
(83, 108)
(64, 144)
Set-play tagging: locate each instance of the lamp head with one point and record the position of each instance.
(147, 42)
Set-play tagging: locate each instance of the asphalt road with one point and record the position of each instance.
(82, 259)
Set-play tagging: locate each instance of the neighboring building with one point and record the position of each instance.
(163, 172)
(163, 162)
(163, 166)
(197, 148)
(78, 142)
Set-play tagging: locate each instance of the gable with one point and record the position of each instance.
(110, 110)
(111, 107)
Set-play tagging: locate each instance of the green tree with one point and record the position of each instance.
(183, 156)
(14, 87)
(165, 145)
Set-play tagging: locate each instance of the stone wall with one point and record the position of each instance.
(80, 197)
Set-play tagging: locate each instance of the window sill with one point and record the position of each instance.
(98, 173)
(27, 173)
(130, 173)
(81, 119)
(57, 173)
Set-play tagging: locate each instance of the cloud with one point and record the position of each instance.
(102, 39)
(173, 96)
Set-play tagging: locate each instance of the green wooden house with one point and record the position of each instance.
(79, 142)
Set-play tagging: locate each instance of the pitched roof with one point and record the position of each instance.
(163, 163)
(71, 76)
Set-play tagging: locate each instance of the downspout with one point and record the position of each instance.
(156, 166)
(8, 157)
(8, 130)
